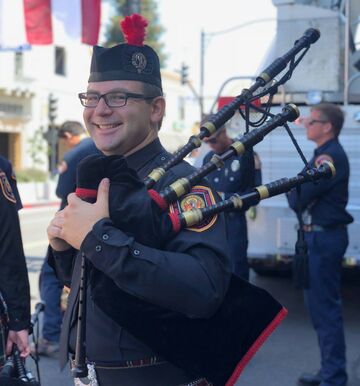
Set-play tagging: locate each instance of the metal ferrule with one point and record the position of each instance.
(217, 161)
(265, 77)
(156, 174)
(210, 127)
(196, 141)
(192, 217)
(237, 201)
(263, 191)
(238, 147)
(180, 187)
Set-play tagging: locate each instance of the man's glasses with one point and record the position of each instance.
(211, 140)
(112, 99)
(310, 122)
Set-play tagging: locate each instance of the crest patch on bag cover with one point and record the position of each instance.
(6, 187)
(199, 197)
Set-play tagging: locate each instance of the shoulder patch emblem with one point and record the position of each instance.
(6, 187)
(322, 158)
(199, 197)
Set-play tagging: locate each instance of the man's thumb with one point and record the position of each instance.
(103, 193)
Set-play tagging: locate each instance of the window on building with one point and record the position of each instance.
(60, 61)
(19, 63)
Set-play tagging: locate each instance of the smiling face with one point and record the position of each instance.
(123, 130)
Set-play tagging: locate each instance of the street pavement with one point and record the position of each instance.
(290, 350)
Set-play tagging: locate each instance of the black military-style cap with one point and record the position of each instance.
(131, 60)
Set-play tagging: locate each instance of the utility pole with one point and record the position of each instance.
(51, 134)
(202, 73)
(203, 37)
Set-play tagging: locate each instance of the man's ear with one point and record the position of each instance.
(328, 128)
(157, 113)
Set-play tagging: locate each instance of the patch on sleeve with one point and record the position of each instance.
(199, 197)
(6, 187)
(322, 158)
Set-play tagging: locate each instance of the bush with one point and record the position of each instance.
(31, 175)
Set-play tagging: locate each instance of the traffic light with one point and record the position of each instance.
(184, 72)
(52, 108)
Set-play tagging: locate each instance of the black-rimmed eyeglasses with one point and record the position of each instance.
(310, 122)
(112, 99)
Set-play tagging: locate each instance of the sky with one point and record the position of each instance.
(239, 52)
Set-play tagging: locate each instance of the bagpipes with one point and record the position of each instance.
(218, 347)
(13, 371)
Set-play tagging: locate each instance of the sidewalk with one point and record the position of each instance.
(38, 194)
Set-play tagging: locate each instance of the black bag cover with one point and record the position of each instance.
(217, 348)
(131, 208)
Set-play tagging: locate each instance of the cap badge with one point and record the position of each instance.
(138, 60)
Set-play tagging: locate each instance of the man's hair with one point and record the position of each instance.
(331, 113)
(154, 91)
(72, 127)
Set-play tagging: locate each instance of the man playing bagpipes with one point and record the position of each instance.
(152, 311)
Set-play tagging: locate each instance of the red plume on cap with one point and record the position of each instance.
(134, 29)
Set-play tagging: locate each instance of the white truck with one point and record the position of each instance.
(330, 71)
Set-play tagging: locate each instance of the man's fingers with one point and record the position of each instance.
(72, 198)
(9, 345)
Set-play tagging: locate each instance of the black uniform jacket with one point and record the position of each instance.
(189, 275)
(326, 200)
(14, 282)
(236, 176)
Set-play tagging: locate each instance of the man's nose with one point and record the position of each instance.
(102, 107)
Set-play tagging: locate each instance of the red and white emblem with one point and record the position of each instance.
(6, 187)
(199, 197)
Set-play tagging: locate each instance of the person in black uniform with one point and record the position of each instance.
(124, 108)
(326, 219)
(14, 281)
(79, 145)
(236, 176)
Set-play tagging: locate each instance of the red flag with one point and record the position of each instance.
(38, 23)
(90, 16)
(48, 22)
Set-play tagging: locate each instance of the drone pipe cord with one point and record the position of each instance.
(237, 202)
(183, 185)
(218, 120)
(80, 370)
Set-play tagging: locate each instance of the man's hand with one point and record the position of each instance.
(54, 234)
(21, 339)
(78, 218)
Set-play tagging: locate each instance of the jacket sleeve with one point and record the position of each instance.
(62, 263)
(311, 191)
(190, 276)
(14, 281)
(247, 175)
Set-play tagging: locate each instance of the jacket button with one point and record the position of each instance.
(105, 236)
(98, 248)
(136, 252)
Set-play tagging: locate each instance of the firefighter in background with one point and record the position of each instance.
(326, 219)
(14, 281)
(78, 145)
(236, 176)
